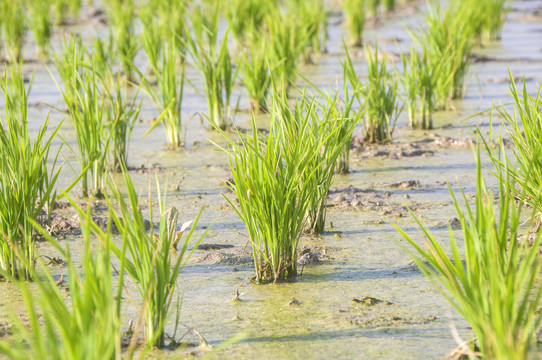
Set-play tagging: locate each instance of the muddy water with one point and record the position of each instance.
(362, 255)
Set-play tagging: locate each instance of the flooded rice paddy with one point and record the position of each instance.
(359, 295)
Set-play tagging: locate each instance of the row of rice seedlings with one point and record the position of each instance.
(495, 288)
(155, 258)
(419, 81)
(168, 95)
(523, 125)
(213, 60)
(14, 28)
(27, 186)
(380, 95)
(41, 24)
(121, 16)
(87, 325)
(355, 13)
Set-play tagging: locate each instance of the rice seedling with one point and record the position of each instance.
(380, 98)
(311, 17)
(355, 12)
(327, 127)
(14, 28)
(419, 82)
(151, 37)
(352, 118)
(168, 96)
(214, 62)
(102, 53)
(174, 18)
(287, 41)
(485, 17)
(523, 126)
(246, 16)
(273, 184)
(255, 72)
(448, 40)
(373, 6)
(380, 95)
(155, 260)
(87, 109)
(495, 288)
(163, 21)
(68, 62)
(74, 7)
(60, 11)
(41, 24)
(121, 116)
(121, 16)
(389, 5)
(87, 326)
(27, 187)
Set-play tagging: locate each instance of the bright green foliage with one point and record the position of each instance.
(390, 5)
(419, 82)
(524, 127)
(495, 287)
(255, 71)
(373, 6)
(41, 25)
(287, 41)
(87, 326)
(380, 95)
(274, 183)
(168, 96)
(88, 112)
(155, 261)
(484, 17)
(68, 62)
(326, 125)
(121, 116)
(355, 20)
(27, 187)
(121, 17)
(14, 28)
(151, 37)
(102, 53)
(246, 17)
(448, 40)
(164, 21)
(214, 61)
(352, 118)
(310, 16)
